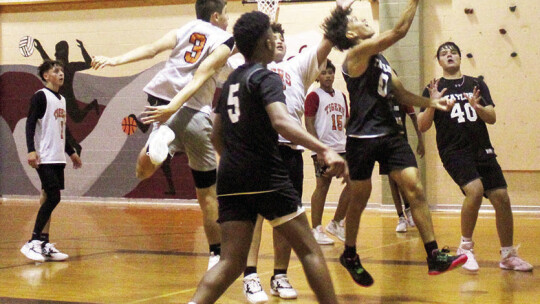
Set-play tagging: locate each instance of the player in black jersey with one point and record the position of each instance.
(252, 178)
(467, 154)
(373, 134)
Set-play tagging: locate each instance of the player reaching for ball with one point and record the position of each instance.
(373, 134)
(188, 130)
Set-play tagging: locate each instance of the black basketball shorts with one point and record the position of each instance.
(277, 206)
(391, 152)
(51, 176)
(463, 169)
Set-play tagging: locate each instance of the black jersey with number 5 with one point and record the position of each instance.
(371, 106)
(461, 129)
(250, 161)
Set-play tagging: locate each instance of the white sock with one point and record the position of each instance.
(505, 251)
(466, 239)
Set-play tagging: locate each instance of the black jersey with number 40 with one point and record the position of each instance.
(461, 130)
(250, 161)
(371, 106)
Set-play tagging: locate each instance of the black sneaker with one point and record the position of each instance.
(440, 261)
(358, 273)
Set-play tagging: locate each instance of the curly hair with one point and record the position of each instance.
(277, 28)
(46, 66)
(335, 28)
(247, 31)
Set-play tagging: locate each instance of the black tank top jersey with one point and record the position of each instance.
(461, 130)
(370, 98)
(250, 161)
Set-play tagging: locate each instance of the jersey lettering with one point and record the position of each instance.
(233, 103)
(467, 112)
(198, 40)
(285, 77)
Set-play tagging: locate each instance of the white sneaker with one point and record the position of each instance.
(513, 262)
(336, 229)
(401, 225)
(33, 250)
(466, 248)
(158, 144)
(410, 220)
(280, 286)
(253, 289)
(321, 237)
(213, 260)
(52, 254)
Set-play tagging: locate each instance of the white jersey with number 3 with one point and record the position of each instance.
(195, 41)
(50, 134)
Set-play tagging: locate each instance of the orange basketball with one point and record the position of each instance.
(128, 125)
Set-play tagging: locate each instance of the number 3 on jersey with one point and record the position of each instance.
(198, 41)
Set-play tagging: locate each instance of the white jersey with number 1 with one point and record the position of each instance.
(50, 134)
(195, 41)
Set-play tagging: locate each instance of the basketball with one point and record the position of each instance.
(26, 46)
(129, 126)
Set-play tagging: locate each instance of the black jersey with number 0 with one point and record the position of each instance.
(461, 130)
(250, 161)
(370, 103)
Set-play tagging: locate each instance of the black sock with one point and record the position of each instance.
(279, 271)
(216, 249)
(250, 270)
(350, 252)
(44, 237)
(407, 205)
(400, 214)
(35, 236)
(430, 247)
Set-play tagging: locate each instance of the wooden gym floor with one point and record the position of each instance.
(157, 254)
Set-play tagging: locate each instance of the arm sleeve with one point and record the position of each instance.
(67, 146)
(229, 43)
(312, 104)
(38, 106)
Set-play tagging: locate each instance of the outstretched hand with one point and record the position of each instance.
(345, 4)
(156, 114)
(99, 62)
(79, 43)
(474, 100)
(433, 89)
(442, 104)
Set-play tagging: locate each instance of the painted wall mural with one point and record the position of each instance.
(104, 129)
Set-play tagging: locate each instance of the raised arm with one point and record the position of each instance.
(167, 42)
(486, 113)
(358, 57)
(208, 68)
(425, 118)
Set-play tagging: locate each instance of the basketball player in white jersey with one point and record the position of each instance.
(46, 142)
(190, 45)
(326, 116)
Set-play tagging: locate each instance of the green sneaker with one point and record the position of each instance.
(358, 273)
(441, 261)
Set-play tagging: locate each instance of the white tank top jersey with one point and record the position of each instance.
(297, 75)
(50, 137)
(195, 41)
(330, 119)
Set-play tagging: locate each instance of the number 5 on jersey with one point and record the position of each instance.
(233, 104)
(198, 41)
